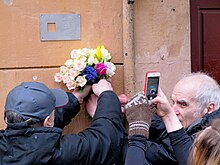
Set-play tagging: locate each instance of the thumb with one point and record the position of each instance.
(161, 98)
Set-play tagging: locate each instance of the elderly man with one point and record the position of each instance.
(195, 105)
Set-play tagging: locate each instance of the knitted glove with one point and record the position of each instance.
(139, 112)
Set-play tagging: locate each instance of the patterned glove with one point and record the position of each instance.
(139, 112)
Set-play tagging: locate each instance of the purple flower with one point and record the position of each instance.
(91, 75)
(101, 69)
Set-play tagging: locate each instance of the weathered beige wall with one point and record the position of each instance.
(162, 40)
(25, 58)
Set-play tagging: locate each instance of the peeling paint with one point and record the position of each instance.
(8, 2)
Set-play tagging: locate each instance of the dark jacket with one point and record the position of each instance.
(158, 149)
(98, 144)
(182, 140)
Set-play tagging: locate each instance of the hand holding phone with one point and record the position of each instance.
(151, 86)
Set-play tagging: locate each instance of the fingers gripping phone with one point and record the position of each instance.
(151, 86)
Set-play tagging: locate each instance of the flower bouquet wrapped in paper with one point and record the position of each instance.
(86, 67)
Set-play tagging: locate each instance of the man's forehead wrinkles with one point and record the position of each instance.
(182, 98)
(178, 98)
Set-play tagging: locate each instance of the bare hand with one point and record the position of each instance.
(80, 95)
(163, 105)
(101, 86)
(123, 100)
(91, 104)
(165, 111)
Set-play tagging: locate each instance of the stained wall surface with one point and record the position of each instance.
(162, 41)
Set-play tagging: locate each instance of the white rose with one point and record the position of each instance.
(105, 53)
(69, 63)
(82, 58)
(91, 60)
(79, 65)
(73, 73)
(81, 81)
(74, 54)
(66, 78)
(110, 69)
(64, 70)
(85, 52)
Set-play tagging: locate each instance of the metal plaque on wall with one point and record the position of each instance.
(64, 27)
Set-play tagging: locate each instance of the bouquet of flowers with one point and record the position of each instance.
(86, 67)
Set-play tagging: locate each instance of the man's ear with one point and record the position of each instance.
(210, 108)
(48, 122)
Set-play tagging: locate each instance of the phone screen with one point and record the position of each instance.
(152, 87)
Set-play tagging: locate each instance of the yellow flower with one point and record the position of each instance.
(99, 53)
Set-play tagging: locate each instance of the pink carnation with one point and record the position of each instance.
(101, 69)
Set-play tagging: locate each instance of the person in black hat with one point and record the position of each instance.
(32, 135)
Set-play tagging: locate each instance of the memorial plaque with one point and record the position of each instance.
(59, 27)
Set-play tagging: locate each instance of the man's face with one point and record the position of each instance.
(184, 103)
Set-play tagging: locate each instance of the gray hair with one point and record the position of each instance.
(208, 91)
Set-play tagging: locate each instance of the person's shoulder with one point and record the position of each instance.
(37, 132)
(47, 130)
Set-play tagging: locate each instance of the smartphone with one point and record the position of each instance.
(152, 82)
